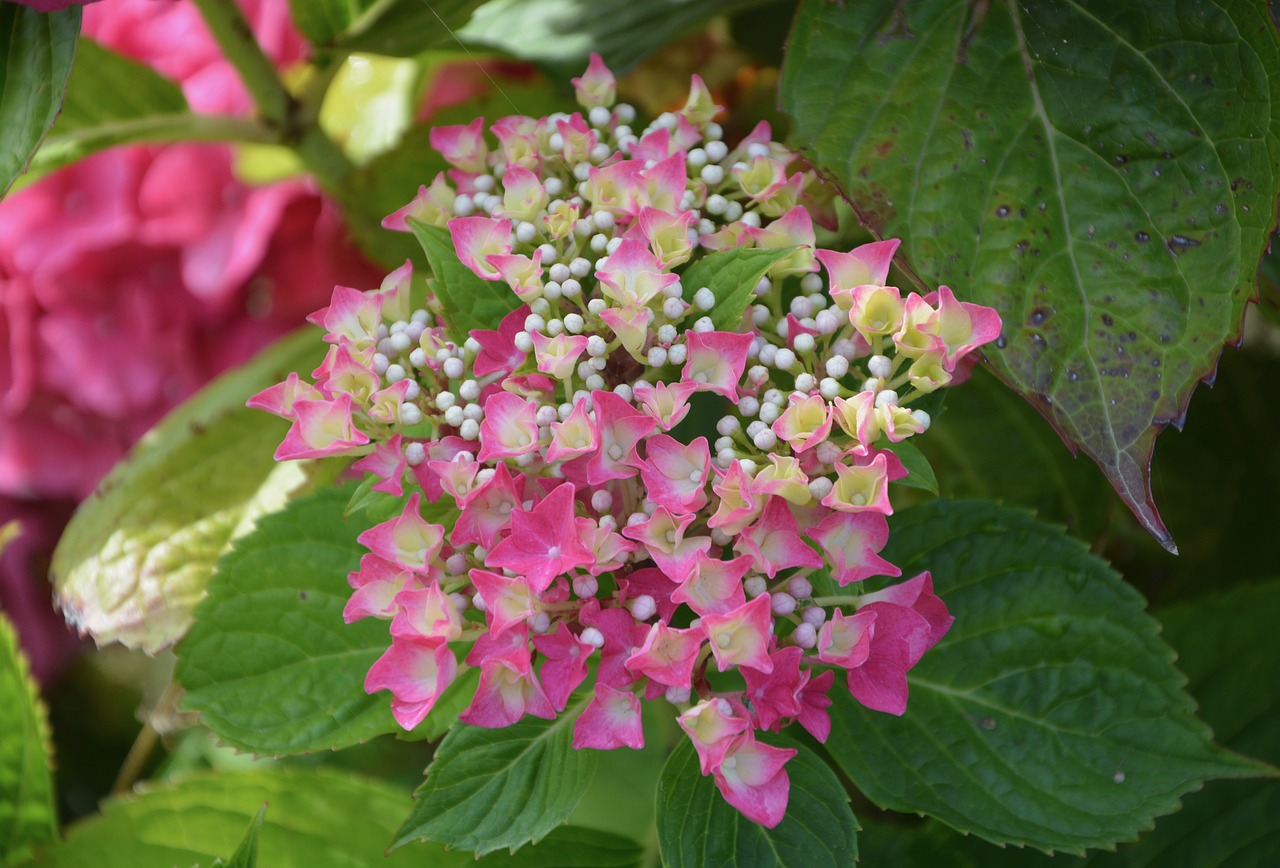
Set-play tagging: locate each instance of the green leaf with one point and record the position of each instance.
(1102, 175)
(316, 817)
(467, 301)
(112, 100)
(396, 28)
(731, 275)
(488, 789)
(36, 50)
(697, 827)
(571, 847)
(992, 445)
(138, 553)
(1228, 823)
(27, 815)
(1220, 642)
(246, 855)
(561, 34)
(1050, 715)
(269, 663)
(919, 473)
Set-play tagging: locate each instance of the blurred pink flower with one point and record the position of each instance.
(131, 278)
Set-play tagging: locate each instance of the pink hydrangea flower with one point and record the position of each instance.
(617, 541)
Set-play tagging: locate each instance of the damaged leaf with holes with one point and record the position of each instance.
(1102, 174)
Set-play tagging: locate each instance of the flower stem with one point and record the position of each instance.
(295, 124)
(234, 36)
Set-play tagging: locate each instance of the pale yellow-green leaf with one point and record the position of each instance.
(138, 553)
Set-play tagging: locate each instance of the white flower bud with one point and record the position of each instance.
(769, 413)
(592, 636)
(829, 388)
(599, 116)
(782, 603)
(454, 368)
(574, 324)
(879, 366)
(885, 398)
(922, 419)
(805, 635)
(704, 299)
(395, 373)
(453, 416)
(715, 150)
(469, 429)
(678, 354)
(415, 454)
(523, 342)
(643, 607)
(805, 383)
(748, 405)
(755, 586)
(711, 174)
(765, 439)
(799, 587)
(803, 343)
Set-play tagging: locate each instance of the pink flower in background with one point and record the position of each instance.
(131, 278)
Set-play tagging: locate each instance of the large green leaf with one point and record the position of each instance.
(1104, 175)
(112, 100)
(1222, 646)
(466, 300)
(1220, 642)
(731, 275)
(1051, 714)
(138, 553)
(697, 827)
(990, 444)
(488, 789)
(269, 663)
(27, 815)
(562, 33)
(399, 28)
(315, 817)
(36, 50)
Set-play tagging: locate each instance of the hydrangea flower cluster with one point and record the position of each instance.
(580, 533)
